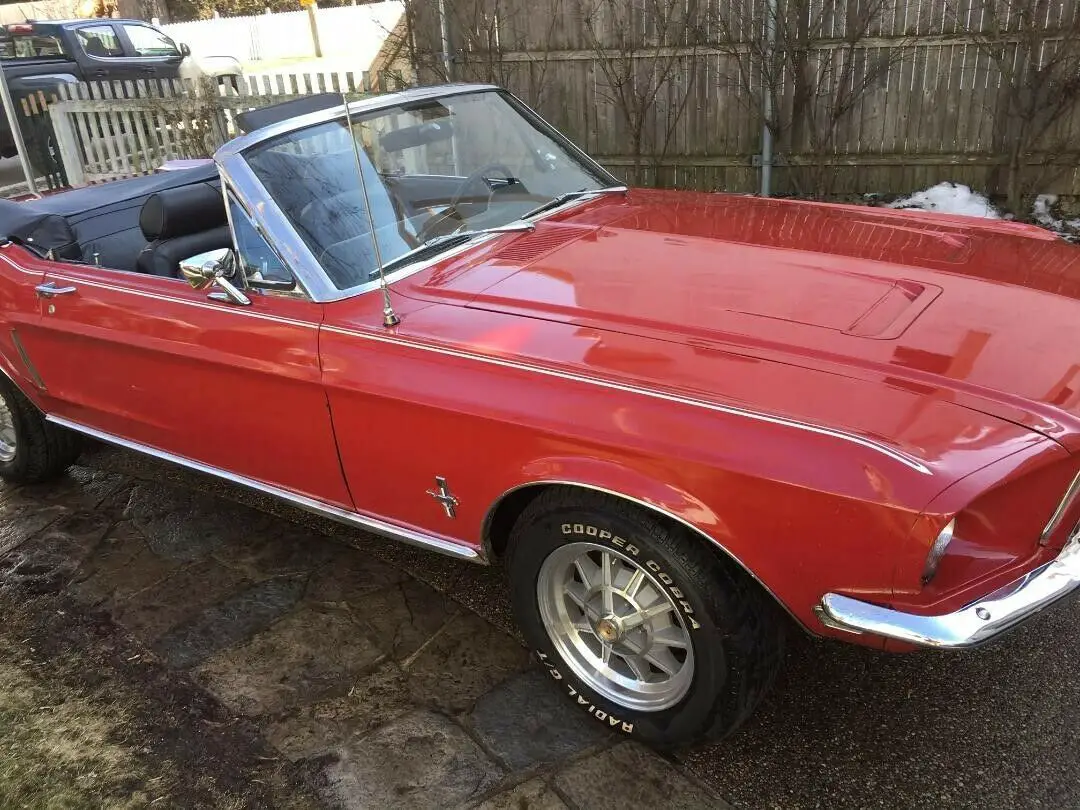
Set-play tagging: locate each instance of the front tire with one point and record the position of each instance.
(644, 627)
(31, 449)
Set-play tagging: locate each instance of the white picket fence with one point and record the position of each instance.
(111, 130)
(352, 33)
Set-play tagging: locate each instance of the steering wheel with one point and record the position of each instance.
(434, 225)
(480, 176)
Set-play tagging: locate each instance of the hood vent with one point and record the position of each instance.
(531, 246)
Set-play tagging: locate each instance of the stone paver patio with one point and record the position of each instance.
(372, 667)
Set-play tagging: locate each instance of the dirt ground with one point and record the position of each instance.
(89, 719)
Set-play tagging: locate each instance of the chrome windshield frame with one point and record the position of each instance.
(279, 232)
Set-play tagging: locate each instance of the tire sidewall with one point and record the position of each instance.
(15, 467)
(650, 548)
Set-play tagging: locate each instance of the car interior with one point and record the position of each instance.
(143, 225)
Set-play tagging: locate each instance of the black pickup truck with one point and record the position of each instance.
(39, 55)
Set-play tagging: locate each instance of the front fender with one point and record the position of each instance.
(634, 484)
(650, 490)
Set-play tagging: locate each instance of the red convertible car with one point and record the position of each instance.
(683, 422)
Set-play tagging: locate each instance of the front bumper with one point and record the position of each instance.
(973, 624)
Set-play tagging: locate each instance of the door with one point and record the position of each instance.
(103, 54)
(155, 52)
(152, 361)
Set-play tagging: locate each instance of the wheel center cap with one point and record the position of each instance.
(609, 629)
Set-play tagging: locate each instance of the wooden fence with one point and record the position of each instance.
(934, 107)
(110, 130)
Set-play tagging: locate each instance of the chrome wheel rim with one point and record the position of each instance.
(615, 626)
(7, 433)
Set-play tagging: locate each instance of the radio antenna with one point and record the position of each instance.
(390, 318)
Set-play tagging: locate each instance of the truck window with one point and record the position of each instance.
(30, 47)
(100, 41)
(148, 41)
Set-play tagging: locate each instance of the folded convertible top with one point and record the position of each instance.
(25, 224)
(48, 223)
(89, 200)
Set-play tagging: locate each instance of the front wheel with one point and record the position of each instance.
(643, 626)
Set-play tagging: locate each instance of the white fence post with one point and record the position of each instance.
(67, 142)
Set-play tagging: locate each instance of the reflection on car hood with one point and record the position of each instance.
(985, 313)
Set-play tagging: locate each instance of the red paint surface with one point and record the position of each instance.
(882, 372)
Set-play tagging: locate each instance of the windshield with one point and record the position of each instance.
(431, 167)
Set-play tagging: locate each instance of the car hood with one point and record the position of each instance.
(980, 313)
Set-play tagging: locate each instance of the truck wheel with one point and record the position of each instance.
(642, 625)
(31, 449)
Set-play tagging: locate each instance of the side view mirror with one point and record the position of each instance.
(215, 267)
(185, 50)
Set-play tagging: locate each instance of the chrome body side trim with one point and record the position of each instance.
(485, 532)
(896, 455)
(1059, 513)
(406, 535)
(973, 624)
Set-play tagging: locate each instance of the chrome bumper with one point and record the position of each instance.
(978, 622)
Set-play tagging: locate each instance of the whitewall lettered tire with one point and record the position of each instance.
(643, 626)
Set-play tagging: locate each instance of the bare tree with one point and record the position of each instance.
(486, 41)
(411, 57)
(810, 59)
(1034, 47)
(646, 51)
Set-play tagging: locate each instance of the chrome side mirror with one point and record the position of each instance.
(214, 267)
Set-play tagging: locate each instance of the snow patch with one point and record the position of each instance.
(950, 198)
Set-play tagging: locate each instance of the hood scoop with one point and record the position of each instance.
(633, 281)
(891, 314)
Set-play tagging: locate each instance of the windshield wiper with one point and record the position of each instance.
(437, 244)
(573, 195)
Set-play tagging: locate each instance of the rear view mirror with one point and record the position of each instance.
(185, 50)
(417, 135)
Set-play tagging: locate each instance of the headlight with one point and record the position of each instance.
(937, 551)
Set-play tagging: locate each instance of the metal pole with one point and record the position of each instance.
(390, 318)
(444, 33)
(767, 103)
(16, 131)
(313, 23)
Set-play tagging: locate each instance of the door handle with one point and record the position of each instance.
(149, 69)
(50, 290)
